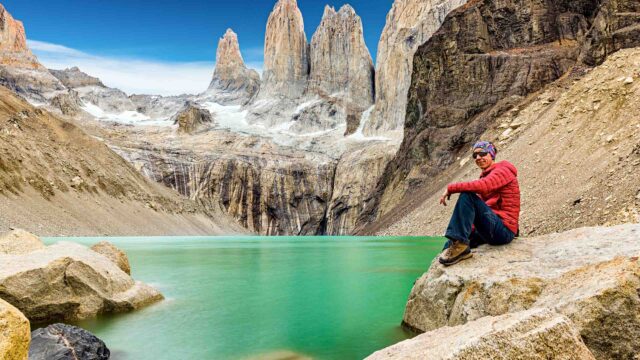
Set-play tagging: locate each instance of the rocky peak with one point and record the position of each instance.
(286, 52)
(339, 58)
(75, 78)
(13, 43)
(231, 77)
(409, 24)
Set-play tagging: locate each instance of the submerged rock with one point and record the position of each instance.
(114, 254)
(68, 281)
(533, 334)
(66, 342)
(14, 333)
(590, 275)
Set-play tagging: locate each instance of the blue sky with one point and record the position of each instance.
(174, 41)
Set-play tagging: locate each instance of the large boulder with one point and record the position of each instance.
(526, 335)
(590, 275)
(14, 333)
(68, 281)
(192, 118)
(17, 242)
(114, 254)
(66, 342)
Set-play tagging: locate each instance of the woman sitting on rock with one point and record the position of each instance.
(487, 210)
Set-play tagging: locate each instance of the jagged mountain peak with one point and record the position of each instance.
(232, 81)
(340, 60)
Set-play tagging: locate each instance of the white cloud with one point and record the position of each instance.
(133, 76)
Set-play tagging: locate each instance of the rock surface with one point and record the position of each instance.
(66, 342)
(67, 281)
(286, 53)
(192, 118)
(68, 103)
(14, 51)
(114, 254)
(410, 23)
(340, 62)
(590, 275)
(233, 82)
(19, 242)
(20, 70)
(526, 335)
(14, 333)
(74, 78)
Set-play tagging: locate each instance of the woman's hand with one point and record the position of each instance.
(445, 196)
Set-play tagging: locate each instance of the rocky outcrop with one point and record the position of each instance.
(192, 118)
(590, 275)
(340, 62)
(410, 23)
(66, 342)
(286, 53)
(114, 254)
(68, 103)
(74, 78)
(533, 335)
(356, 175)
(20, 70)
(233, 82)
(484, 59)
(14, 333)
(14, 51)
(67, 281)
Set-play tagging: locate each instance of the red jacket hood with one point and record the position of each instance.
(501, 164)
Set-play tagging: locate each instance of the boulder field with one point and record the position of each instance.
(529, 299)
(67, 281)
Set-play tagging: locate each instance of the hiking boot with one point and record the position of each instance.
(455, 253)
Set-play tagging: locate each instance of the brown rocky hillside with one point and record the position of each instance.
(57, 180)
(576, 145)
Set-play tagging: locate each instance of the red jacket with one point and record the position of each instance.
(498, 188)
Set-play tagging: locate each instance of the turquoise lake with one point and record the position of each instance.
(265, 297)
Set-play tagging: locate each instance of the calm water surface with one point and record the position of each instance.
(243, 297)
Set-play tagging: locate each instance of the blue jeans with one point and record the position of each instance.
(489, 229)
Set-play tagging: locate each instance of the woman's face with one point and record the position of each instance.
(483, 159)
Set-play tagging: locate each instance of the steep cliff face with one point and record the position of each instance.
(486, 56)
(409, 24)
(20, 70)
(286, 53)
(233, 82)
(268, 189)
(13, 43)
(339, 59)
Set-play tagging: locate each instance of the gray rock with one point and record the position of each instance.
(340, 62)
(66, 342)
(527, 335)
(192, 118)
(590, 275)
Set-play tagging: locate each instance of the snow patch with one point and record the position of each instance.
(358, 135)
